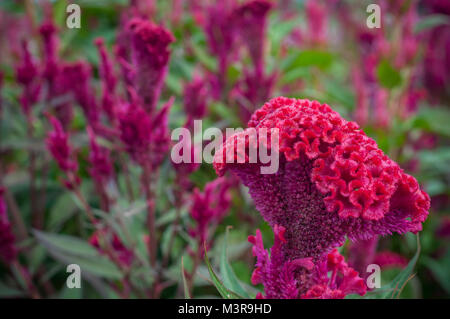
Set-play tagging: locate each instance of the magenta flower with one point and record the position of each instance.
(135, 127)
(389, 259)
(251, 21)
(221, 38)
(108, 78)
(343, 280)
(316, 15)
(195, 98)
(50, 42)
(78, 74)
(8, 252)
(150, 55)
(333, 181)
(209, 207)
(160, 134)
(27, 74)
(59, 146)
(122, 253)
(99, 158)
(278, 275)
(361, 254)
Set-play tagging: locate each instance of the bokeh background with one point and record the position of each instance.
(393, 81)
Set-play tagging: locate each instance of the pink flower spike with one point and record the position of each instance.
(58, 144)
(150, 55)
(161, 134)
(99, 158)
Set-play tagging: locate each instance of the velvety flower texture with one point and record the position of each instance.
(8, 250)
(150, 55)
(333, 182)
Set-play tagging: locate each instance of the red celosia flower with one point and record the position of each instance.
(150, 54)
(343, 280)
(209, 206)
(122, 253)
(99, 158)
(160, 134)
(50, 41)
(280, 276)
(58, 144)
(316, 14)
(333, 181)
(361, 254)
(27, 75)
(108, 77)
(79, 75)
(251, 21)
(8, 252)
(195, 98)
(135, 131)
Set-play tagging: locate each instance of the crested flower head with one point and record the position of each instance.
(209, 207)
(135, 131)
(333, 181)
(58, 144)
(8, 251)
(150, 55)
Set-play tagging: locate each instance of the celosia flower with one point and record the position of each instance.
(150, 55)
(343, 280)
(8, 252)
(79, 75)
(62, 89)
(195, 98)
(316, 15)
(333, 181)
(108, 77)
(288, 278)
(122, 253)
(50, 42)
(251, 21)
(160, 134)
(221, 38)
(99, 158)
(135, 127)
(58, 144)
(209, 206)
(278, 274)
(27, 75)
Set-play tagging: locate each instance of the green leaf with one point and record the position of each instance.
(71, 250)
(431, 21)
(8, 292)
(187, 294)
(440, 268)
(229, 277)
(224, 291)
(387, 75)
(307, 58)
(394, 288)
